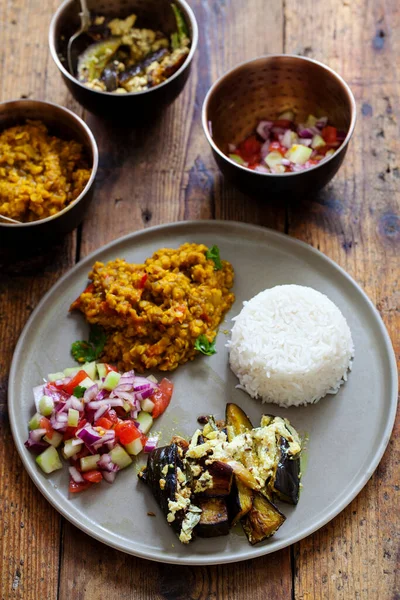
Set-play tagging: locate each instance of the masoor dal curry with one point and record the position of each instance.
(154, 312)
(39, 174)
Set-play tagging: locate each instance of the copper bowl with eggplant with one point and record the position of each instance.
(133, 58)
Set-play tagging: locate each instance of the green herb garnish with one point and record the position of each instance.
(204, 346)
(182, 35)
(79, 391)
(91, 350)
(213, 254)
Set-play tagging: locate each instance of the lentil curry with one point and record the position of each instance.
(39, 174)
(154, 312)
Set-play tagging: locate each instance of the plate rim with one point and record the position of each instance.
(253, 551)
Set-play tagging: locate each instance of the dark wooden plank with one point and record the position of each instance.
(162, 174)
(30, 527)
(356, 222)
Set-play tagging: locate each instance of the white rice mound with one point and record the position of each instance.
(290, 345)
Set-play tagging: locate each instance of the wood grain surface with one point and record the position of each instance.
(166, 173)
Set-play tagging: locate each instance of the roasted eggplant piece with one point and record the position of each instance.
(239, 501)
(141, 66)
(241, 498)
(214, 519)
(262, 521)
(286, 483)
(222, 477)
(110, 77)
(158, 460)
(237, 421)
(93, 61)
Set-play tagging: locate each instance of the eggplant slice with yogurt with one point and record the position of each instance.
(229, 472)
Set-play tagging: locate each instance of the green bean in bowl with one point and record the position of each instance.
(124, 58)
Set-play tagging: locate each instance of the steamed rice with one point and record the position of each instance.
(290, 345)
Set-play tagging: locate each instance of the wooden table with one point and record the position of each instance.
(164, 174)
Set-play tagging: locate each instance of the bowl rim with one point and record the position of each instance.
(66, 73)
(95, 153)
(230, 72)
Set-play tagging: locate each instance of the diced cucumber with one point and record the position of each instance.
(70, 449)
(289, 138)
(89, 462)
(73, 417)
(238, 159)
(46, 405)
(288, 115)
(147, 405)
(134, 447)
(49, 460)
(86, 383)
(311, 121)
(120, 457)
(72, 371)
(317, 142)
(55, 376)
(127, 406)
(55, 440)
(90, 369)
(101, 370)
(299, 154)
(145, 421)
(112, 380)
(330, 152)
(34, 423)
(273, 159)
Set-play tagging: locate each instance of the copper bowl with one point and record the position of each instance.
(62, 123)
(134, 106)
(263, 88)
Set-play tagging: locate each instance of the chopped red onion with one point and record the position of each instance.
(75, 475)
(265, 150)
(277, 131)
(151, 444)
(36, 434)
(91, 393)
(60, 407)
(109, 477)
(307, 132)
(322, 122)
(105, 463)
(231, 148)
(264, 129)
(100, 411)
(88, 435)
(286, 162)
(305, 141)
(261, 169)
(109, 436)
(36, 447)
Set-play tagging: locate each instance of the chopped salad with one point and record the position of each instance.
(282, 146)
(98, 418)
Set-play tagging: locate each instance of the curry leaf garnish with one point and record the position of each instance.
(213, 254)
(204, 346)
(79, 391)
(87, 351)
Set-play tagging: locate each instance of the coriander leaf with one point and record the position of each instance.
(88, 351)
(213, 254)
(82, 352)
(79, 391)
(204, 346)
(97, 338)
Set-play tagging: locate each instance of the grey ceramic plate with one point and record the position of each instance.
(348, 433)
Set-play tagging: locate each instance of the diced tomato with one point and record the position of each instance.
(109, 368)
(127, 431)
(143, 439)
(69, 433)
(284, 123)
(78, 487)
(89, 289)
(82, 423)
(103, 423)
(76, 380)
(250, 149)
(162, 397)
(82, 453)
(94, 476)
(45, 424)
(142, 282)
(120, 411)
(277, 147)
(329, 134)
(111, 415)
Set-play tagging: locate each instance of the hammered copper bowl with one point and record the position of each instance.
(130, 107)
(263, 88)
(62, 123)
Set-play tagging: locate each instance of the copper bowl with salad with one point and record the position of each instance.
(279, 124)
(133, 60)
